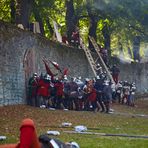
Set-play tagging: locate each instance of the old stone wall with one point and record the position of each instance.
(136, 72)
(21, 54)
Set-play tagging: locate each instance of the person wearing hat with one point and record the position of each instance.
(44, 90)
(59, 87)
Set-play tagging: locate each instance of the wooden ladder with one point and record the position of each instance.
(102, 61)
(92, 61)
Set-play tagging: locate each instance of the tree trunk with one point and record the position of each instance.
(92, 31)
(23, 10)
(49, 27)
(136, 48)
(38, 18)
(92, 26)
(71, 19)
(106, 36)
(120, 47)
(13, 10)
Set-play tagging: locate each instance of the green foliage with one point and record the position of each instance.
(5, 10)
(124, 19)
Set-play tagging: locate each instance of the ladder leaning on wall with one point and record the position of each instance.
(93, 62)
(89, 57)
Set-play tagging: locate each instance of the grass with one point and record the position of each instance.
(130, 123)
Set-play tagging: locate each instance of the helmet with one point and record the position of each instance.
(73, 79)
(79, 77)
(97, 77)
(35, 75)
(106, 83)
(48, 77)
(86, 79)
(56, 79)
(65, 77)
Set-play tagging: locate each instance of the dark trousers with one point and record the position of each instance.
(107, 106)
(59, 102)
(100, 101)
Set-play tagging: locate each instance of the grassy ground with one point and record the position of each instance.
(128, 123)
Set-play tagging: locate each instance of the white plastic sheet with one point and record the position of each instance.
(80, 128)
(2, 137)
(55, 133)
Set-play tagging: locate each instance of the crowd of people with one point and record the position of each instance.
(95, 94)
(73, 93)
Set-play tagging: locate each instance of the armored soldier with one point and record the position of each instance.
(44, 90)
(73, 94)
(32, 92)
(107, 95)
(99, 88)
(59, 88)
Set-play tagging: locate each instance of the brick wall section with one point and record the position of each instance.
(15, 44)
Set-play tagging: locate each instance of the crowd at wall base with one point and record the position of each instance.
(89, 95)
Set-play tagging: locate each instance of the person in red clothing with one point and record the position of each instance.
(29, 138)
(64, 39)
(76, 38)
(43, 92)
(91, 100)
(59, 88)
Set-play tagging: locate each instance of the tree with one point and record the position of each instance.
(109, 22)
(71, 18)
(93, 20)
(38, 17)
(23, 11)
(13, 10)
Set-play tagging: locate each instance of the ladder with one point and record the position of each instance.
(92, 61)
(102, 61)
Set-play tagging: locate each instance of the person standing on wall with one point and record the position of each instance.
(115, 73)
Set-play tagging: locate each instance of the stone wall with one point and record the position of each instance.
(21, 54)
(136, 72)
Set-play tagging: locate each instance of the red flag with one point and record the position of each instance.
(65, 71)
(56, 65)
(48, 69)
